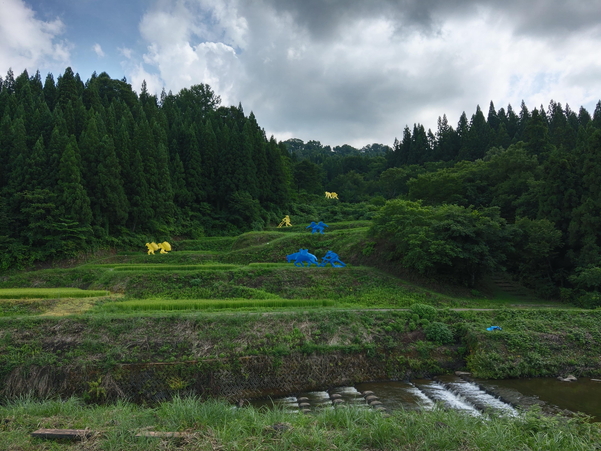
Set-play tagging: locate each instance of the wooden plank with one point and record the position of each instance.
(160, 434)
(70, 434)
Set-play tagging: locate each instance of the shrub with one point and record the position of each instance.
(424, 311)
(439, 333)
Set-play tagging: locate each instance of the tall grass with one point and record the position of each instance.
(48, 293)
(210, 304)
(215, 425)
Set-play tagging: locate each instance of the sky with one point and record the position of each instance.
(336, 71)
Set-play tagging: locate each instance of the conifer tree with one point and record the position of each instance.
(536, 136)
(586, 216)
(512, 124)
(18, 157)
(597, 116)
(193, 164)
(50, 92)
(73, 201)
(493, 119)
(67, 88)
(258, 142)
(181, 196)
(36, 166)
(5, 149)
(208, 143)
(477, 138)
(447, 142)
(112, 200)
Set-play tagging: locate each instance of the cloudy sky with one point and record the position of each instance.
(336, 71)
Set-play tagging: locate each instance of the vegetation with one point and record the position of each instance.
(210, 304)
(94, 165)
(41, 293)
(427, 228)
(215, 425)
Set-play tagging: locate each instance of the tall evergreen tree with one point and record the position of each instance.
(73, 201)
(536, 136)
(50, 92)
(477, 140)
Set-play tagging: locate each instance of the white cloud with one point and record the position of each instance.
(98, 50)
(359, 72)
(29, 43)
(126, 52)
(137, 75)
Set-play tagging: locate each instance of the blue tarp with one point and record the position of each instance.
(493, 328)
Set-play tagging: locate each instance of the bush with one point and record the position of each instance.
(424, 311)
(439, 333)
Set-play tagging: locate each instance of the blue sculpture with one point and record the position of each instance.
(301, 257)
(317, 227)
(491, 328)
(333, 259)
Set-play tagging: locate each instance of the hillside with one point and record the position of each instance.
(232, 309)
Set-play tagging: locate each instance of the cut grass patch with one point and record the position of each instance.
(49, 293)
(270, 265)
(162, 267)
(208, 304)
(219, 244)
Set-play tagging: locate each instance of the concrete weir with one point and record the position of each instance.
(449, 392)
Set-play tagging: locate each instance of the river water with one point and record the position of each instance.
(474, 397)
(583, 395)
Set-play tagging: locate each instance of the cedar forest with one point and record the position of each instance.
(92, 165)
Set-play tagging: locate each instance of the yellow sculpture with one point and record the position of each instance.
(164, 247)
(331, 195)
(286, 222)
(152, 247)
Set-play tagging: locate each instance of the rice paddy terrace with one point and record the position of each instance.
(248, 271)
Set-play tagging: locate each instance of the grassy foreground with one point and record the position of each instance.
(214, 425)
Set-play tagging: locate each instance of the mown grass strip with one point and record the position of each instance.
(204, 304)
(47, 293)
(159, 267)
(218, 244)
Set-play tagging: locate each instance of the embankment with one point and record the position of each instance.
(154, 357)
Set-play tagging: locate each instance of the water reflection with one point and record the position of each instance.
(582, 395)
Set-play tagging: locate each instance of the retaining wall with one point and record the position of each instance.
(234, 379)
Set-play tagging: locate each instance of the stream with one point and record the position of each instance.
(473, 396)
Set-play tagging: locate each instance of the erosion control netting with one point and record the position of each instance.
(234, 379)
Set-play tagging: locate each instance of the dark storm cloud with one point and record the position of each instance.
(541, 17)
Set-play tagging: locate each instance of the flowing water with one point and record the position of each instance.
(472, 397)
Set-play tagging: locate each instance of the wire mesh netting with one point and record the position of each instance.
(234, 379)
